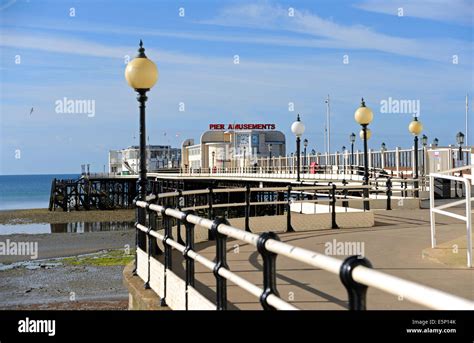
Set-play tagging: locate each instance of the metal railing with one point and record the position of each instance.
(381, 184)
(395, 162)
(324, 172)
(332, 195)
(355, 272)
(467, 180)
(387, 186)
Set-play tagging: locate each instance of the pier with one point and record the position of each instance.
(391, 178)
(97, 192)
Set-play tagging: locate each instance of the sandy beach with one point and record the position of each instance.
(72, 270)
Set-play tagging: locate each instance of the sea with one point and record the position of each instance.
(27, 191)
(33, 191)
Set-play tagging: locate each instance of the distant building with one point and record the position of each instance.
(126, 161)
(233, 146)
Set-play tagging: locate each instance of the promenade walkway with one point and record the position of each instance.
(397, 245)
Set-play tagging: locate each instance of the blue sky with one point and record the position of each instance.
(283, 59)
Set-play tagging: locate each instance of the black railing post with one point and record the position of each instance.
(149, 247)
(333, 207)
(300, 198)
(152, 223)
(180, 204)
(289, 227)
(210, 214)
(189, 261)
(269, 269)
(247, 208)
(147, 283)
(221, 262)
(389, 194)
(345, 203)
(357, 292)
(168, 250)
(138, 218)
(135, 267)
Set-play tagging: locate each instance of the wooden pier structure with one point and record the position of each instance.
(92, 193)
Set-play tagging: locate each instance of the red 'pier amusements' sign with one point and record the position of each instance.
(242, 127)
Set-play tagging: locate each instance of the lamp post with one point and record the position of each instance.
(213, 160)
(298, 129)
(245, 157)
(424, 143)
(352, 139)
(415, 128)
(141, 74)
(460, 141)
(344, 159)
(368, 134)
(305, 161)
(383, 148)
(364, 116)
(435, 143)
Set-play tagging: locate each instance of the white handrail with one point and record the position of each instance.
(417, 293)
(440, 209)
(272, 299)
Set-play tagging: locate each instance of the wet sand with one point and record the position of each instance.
(65, 287)
(43, 215)
(70, 244)
(49, 286)
(62, 285)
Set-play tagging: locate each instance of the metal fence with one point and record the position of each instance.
(456, 175)
(355, 272)
(396, 163)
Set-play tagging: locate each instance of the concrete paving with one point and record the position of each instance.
(394, 245)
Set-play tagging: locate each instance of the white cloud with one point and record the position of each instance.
(452, 11)
(81, 47)
(334, 35)
(272, 40)
(7, 4)
(312, 31)
(68, 45)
